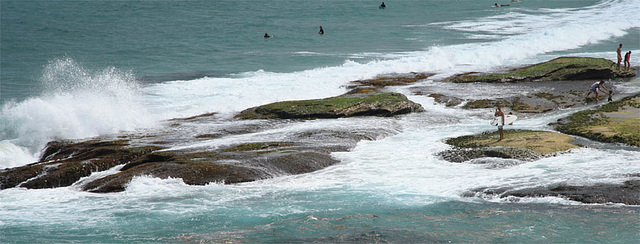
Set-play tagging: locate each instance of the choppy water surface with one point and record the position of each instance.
(79, 69)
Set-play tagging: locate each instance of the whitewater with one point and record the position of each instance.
(390, 189)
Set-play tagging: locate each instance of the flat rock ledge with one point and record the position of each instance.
(626, 193)
(615, 122)
(563, 68)
(348, 105)
(525, 145)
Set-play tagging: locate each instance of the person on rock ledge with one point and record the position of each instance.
(499, 112)
(627, 60)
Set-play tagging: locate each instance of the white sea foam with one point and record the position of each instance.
(75, 103)
(12, 155)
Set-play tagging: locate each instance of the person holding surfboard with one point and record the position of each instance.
(500, 113)
(502, 119)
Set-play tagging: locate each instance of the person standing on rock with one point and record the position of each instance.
(627, 60)
(499, 112)
(619, 52)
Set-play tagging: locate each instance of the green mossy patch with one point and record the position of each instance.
(613, 122)
(381, 104)
(542, 142)
(563, 68)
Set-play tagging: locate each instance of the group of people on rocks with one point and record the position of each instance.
(627, 58)
(599, 86)
(595, 88)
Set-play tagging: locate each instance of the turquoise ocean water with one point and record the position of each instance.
(80, 69)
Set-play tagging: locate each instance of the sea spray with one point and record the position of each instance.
(75, 103)
(393, 189)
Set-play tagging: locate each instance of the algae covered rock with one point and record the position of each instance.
(617, 121)
(563, 68)
(379, 104)
(517, 144)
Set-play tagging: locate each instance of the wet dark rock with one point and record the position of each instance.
(65, 163)
(376, 84)
(626, 193)
(466, 154)
(541, 102)
(449, 101)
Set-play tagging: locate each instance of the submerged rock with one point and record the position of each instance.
(626, 193)
(350, 105)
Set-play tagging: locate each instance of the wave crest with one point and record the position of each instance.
(75, 103)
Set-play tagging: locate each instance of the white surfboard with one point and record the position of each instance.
(509, 119)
